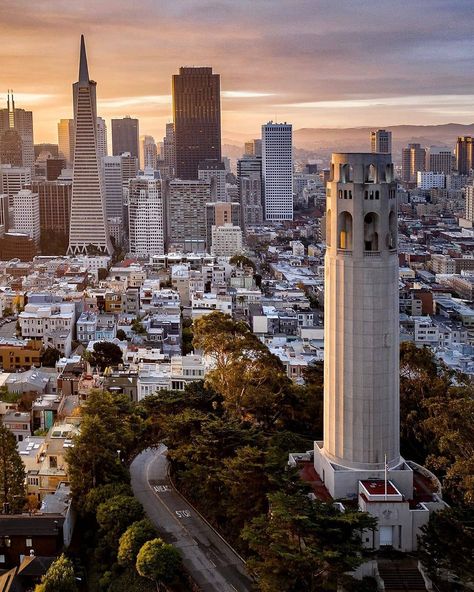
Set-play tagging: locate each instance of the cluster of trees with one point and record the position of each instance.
(437, 430)
(105, 354)
(228, 442)
(12, 474)
(113, 528)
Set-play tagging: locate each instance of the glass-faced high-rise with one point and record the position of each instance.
(197, 119)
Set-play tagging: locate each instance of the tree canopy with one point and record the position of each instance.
(158, 562)
(106, 354)
(59, 577)
(12, 473)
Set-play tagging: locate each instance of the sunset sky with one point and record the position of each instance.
(315, 63)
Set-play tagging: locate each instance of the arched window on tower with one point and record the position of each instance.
(371, 174)
(344, 231)
(371, 235)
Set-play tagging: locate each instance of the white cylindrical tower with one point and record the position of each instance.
(361, 326)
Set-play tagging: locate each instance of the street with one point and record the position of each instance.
(210, 561)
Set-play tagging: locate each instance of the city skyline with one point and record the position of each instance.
(307, 77)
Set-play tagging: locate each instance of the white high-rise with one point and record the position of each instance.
(277, 171)
(88, 219)
(113, 187)
(26, 213)
(146, 214)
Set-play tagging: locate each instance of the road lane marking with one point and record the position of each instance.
(161, 488)
(183, 513)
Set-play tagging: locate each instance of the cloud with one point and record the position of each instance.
(314, 62)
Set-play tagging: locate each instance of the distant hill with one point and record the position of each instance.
(358, 138)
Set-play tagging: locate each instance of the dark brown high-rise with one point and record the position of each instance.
(197, 119)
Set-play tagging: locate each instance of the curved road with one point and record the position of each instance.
(210, 561)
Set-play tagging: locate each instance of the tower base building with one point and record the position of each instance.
(359, 458)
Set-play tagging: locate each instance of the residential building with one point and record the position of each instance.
(214, 172)
(53, 323)
(125, 136)
(428, 180)
(146, 222)
(186, 214)
(218, 214)
(226, 240)
(26, 213)
(277, 171)
(16, 355)
(88, 225)
(381, 141)
(197, 119)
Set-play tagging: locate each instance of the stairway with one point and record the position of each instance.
(401, 576)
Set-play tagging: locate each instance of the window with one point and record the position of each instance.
(29, 542)
(53, 462)
(2, 558)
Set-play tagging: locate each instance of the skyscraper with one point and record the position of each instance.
(66, 140)
(214, 170)
(21, 121)
(125, 136)
(439, 159)
(277, 171)
(113, 186)
(413, 160)
(464, 155)
(146, 214)
(148, 153)
(197, 119)
(26, 213)
(249, 183)
(101, 137)
(381, 141)
(88, 220)
(169, 149)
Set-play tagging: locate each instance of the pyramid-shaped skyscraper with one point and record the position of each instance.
(88, 230)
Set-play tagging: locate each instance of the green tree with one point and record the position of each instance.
(446, 545)
(137, 327)
(12, 473)
(304, 544)
(158, 562)
(7, 312)
(133, 539)
(59, 577)
(50, 356)
(106, 354)
(101, 494)
(115, 515)
(121, 335)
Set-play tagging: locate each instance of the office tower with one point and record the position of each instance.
(48, 147)
(129, 167)
(148, 153)
(11, 148)
(226, 240)
(113, 186)
(26, 213)
(186, 214)
(218, 214)
(66, 140)
(125, 136)
(381, 141)
(439, 159)
(169, 149)
(214, 171)
(359, 458)
(464, 155)
(413, 160)
(249, 185)
(3, 214)
(146, 214)
(253, 148)
(13, 179)
(21, 121)
(88, 221)
(277, 171)
(197, 119)
(54, 166)
(101, 137)
(54, 209)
